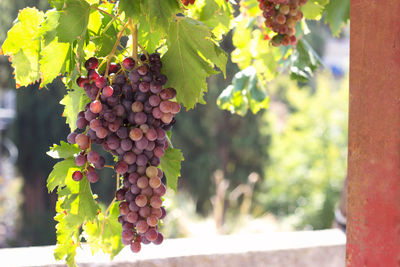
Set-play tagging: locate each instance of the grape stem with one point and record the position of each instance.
(144, 52)
(109, 166)
(106, 13)
(133, 29)
(106, 218)
(110, 56)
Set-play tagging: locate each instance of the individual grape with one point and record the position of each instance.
(142, 70)
(93, 157)
(127, 234)
(155, 212)
(128, 63)
(121, 167)
(133, 177)
(92, 175)
(91, 63)
(133, 206)
(132, 217)
(101, 132)
(142, 143)
(120, 194)
(137, 106)
(130, 157)
(154, 182)
(80, 160)
(126, 144)
(155, 202)
(159, 152)
(71, 138)
(151, 234)
(163, 213)
(95, 124)
(151, 134)
(151, 171)
(141, 160)
(96, 107)
(142, 182)
(159, 239)
(77, 176)
(145, 211)
(141, 200)
(114, 68)
(150, 146)
(136, 134)
(155, 161)
(142, 226)
(126, 225)
(152, 221)
(82, 81)
(107, 91)
(140, 118)
(147, 191)
(83, 141)
(175, 108)
(135, 247)
(123, 208)
(101, 82)
(160, 191)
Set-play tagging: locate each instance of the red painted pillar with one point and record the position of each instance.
(373, 207)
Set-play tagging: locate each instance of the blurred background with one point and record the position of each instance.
(279, 170)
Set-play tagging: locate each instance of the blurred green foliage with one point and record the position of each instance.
(308, 151)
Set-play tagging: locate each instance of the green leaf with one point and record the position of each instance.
(216, 14)
(171, 166)
(63, 151)
(337, 15)
(54, 61)
(22, 48)
(159, 13)
(131, 8)
(105, 232)
(74, 102)
(149, 39)
(190, 59)
(303, 61)
(243, 94)
(313, 10)
(60, 173)
(73, 20)
(75, 207)
(58, 4)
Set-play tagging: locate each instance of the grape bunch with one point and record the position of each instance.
(281, 16)
(188, 2)
(129, 115)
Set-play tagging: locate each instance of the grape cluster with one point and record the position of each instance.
(187, 2)
(281, 16)
(128, 115)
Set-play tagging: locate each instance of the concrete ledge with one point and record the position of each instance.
(325, 248)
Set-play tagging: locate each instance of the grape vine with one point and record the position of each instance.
(124, 102)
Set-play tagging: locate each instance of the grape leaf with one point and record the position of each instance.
(337, 15)
(147, 38)
(171, 166)
(216, 14)
(73, 20)
(303, 61)
(74, 102)
(60, 173)
(131, 8)
(22, 48)
(190, 59)
(105, 232)
(58, 4)
(54, 61)
(159, 13)
(313, 10)
(74, 207)
(63, 151)
(243, 94)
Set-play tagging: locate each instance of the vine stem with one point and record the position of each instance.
(112, 53)
(133, 29)
(110, 56)
(106, 13)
